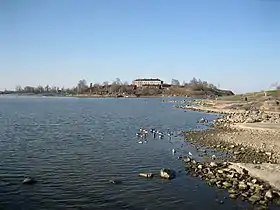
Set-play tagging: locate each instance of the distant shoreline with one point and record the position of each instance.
(95, 96)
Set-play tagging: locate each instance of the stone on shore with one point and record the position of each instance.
(237, 181)
(248, 141)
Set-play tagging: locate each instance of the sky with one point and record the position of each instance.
(234, 44)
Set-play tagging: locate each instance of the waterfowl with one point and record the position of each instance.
(138, 134)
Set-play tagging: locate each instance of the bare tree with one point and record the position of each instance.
(115, 88)
(82, 85)
(28, 89)
(117, 81)
(18, 88)
(53, 89)
(175, 82)
(212, 86)
(40, 89)
(47, 88)
(194, 81)
(105, 83)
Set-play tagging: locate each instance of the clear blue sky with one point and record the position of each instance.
(234, 43)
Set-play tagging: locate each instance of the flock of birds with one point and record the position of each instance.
(143, 134)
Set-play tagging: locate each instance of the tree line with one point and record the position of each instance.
(194, 83)
(113, 88)
(81, 87)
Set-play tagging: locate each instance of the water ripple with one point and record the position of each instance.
(74, 146)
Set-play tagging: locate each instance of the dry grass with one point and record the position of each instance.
(271, 94)
(255, 101)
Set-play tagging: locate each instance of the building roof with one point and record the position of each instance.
(148, 80)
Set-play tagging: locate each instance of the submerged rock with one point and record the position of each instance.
(115, 181)
(29, 180)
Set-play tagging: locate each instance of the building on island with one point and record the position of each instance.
(147, 83)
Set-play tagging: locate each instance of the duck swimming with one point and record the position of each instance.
(153, 130)
(138, 134)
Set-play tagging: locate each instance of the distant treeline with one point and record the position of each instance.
(117, 87)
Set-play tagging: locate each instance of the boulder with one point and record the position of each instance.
(269, 194)
(242, 186)
(213, 164)
(187, 159)
(167, 173)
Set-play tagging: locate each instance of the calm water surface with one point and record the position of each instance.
(74, 146)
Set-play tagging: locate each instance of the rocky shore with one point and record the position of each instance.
(255, 129)
(238, 183)
(240, 152)
(225, 142)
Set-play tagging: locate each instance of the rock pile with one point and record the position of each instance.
(234, 152)
(236, 116)
(29, 181)
(238, 184)
(271, 105)
(250, 117)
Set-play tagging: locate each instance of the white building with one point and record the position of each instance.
(147, 82)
